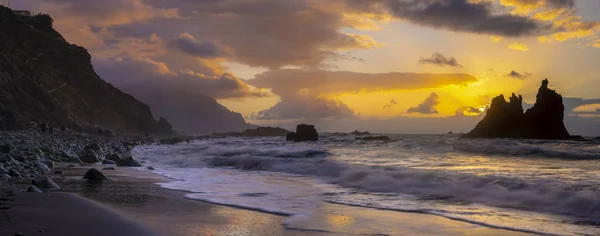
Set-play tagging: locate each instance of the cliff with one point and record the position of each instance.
(43, 78)
(507, 120)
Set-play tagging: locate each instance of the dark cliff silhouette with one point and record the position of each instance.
(44, 78)
(507, 120)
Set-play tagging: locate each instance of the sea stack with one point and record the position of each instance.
(507, 120)
(303, 133)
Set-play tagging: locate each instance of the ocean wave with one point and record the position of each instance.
(549, 195)
(543, 195)
(552, 149)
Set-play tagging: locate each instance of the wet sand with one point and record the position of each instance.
(132, 201)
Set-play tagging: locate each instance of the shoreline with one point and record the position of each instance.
(134, 196)
(131, 201)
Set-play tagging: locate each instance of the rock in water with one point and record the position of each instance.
(358, 133)
(506, 119)
(129, 161)
(306, 133)
(291, 136)
(94, 174)
(89, 158)
(108, 162)
(46, 183)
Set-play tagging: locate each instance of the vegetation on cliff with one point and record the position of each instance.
(45, 79)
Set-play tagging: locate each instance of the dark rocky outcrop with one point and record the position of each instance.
(507, 120)
(303, 133)
(44, 78)
(358, 133)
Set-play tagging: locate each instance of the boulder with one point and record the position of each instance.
(6, 147)
(94, 174)
(33, 189)
(115, 157)
(108, 162)
(13, 173)
(303, 133)
(129, 161)
(93, 147)
(45, 183)
(150, 168)
(506, 119)
(89, 158)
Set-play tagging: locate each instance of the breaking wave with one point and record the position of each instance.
(553, 149)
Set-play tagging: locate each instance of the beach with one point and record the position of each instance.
(131, 203)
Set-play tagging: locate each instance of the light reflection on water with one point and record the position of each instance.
(447, 176)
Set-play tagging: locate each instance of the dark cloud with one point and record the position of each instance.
(461, 16)
(440, 60)
(428, 106)
(517, 75)
(205, 49)
(391, 104)
(572, 103)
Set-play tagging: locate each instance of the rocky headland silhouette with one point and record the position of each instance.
(507, 120)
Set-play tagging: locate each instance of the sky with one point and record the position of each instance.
(396, 66)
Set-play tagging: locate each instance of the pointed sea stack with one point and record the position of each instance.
(506, 119)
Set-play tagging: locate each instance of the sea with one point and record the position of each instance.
(536, 186)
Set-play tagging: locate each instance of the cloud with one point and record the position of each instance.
(314, 81)
(305, 107)
(141, 76)
(301, 89)
(206, 49)
(518, 47)
(428, 106)
(464, 16)
(440, 60)
(391, 104)
(517, 75)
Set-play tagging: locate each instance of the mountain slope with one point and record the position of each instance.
(44, 78)
(193, 113)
